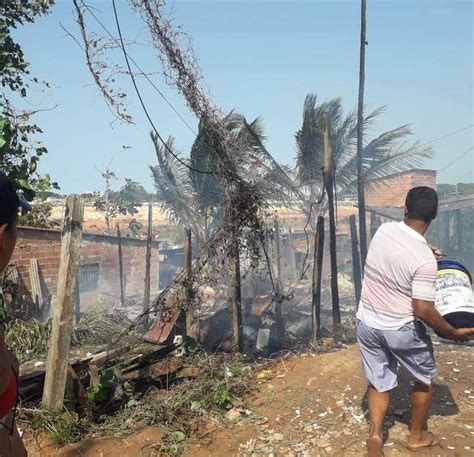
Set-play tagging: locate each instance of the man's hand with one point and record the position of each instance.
(463, 334)
(437, 252)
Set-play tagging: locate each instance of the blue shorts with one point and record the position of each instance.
(382, 350)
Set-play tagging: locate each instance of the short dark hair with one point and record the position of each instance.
(9, 201)
(422, 204)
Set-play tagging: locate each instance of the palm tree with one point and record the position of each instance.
(192, 198)
(386, 154)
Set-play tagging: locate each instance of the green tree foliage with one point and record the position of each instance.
(125, 201)
(130, 196)
(19, 154)
(386, 154)
(40, 217)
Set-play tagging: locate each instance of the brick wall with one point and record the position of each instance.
(392, 190)
(45, 246)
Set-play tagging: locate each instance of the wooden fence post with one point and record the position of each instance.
(317, 276)
(374, 224)
(280, 326)
(237, 340)
(63, 308)
(120, 257)
(459, 234)
(329, 180)
(146, 294)
(188, 275)
(356, 273)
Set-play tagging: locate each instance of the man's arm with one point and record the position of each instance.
(426, 312)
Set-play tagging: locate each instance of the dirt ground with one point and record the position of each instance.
(313, 405)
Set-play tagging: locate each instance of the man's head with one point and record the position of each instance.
(421, 204)
(9, 206)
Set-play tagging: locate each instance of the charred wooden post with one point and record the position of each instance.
(445, 230)
(146, 294)
(329, 182)
(278, 252)
(279, 287)
(459, 235)
(188, 277)
(63, 308)
(316, 282)
(374, 224)
(237, 319)
(356, 273)
(120, 258)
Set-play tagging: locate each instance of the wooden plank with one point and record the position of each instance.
(12, 270)
(317, 276)
(36, 284)
(103, 357)
(63, 307)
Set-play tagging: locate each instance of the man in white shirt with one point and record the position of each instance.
(398, 293)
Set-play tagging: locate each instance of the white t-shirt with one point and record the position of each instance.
(400, 266)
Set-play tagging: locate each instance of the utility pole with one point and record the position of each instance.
(360, 133)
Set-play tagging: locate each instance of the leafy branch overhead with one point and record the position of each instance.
(19, 152)
(193, 198)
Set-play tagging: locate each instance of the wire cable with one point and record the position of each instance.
(456, 159)
(142, 72)
(448, 135)
(122, 45)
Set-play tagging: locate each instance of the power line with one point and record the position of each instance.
(447, 135)
(142, 72)
(456, 159)
(122, 45)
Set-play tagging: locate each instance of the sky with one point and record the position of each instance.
(261, 58)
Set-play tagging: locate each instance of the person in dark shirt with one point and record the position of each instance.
(11, 444)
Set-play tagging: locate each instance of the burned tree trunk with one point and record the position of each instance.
(329, 181)
(317, 276)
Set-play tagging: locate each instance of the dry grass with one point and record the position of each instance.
(29, 340)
